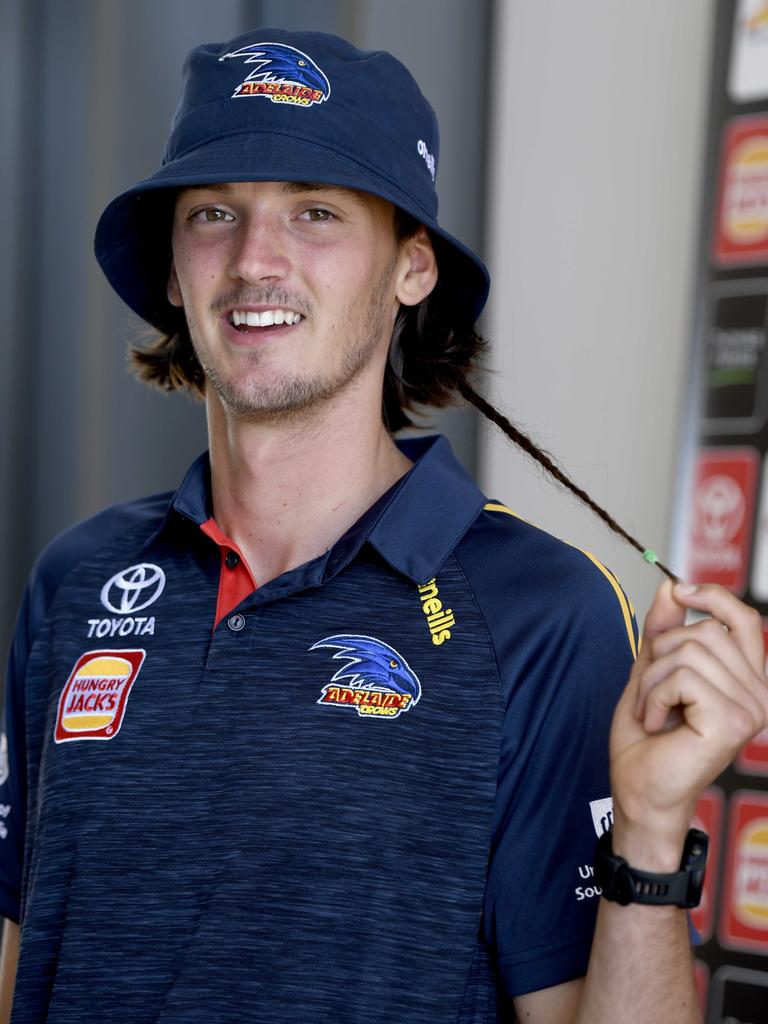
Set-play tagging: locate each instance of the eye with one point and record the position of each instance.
(393, 664)
(211, 215)
(302, 63)
(318, 215)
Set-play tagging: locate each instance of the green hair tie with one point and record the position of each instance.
(650, 556)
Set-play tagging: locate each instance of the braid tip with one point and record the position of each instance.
(650, 556)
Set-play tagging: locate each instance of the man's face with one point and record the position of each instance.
(290, 290)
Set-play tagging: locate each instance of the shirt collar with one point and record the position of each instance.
(431, 510)
(414, 526)
(420, 520)
(193, 498)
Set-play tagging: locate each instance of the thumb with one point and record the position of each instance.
(664, 614)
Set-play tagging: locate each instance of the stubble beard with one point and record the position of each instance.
(363, 321)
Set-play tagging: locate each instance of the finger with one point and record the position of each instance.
(664, 615)
(706, 711)
(714, 637)
(744, 623)
(696, 659)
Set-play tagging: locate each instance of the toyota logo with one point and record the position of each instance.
(133, 589)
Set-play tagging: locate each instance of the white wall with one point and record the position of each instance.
(597, 136)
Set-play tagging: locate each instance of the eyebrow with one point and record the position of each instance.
(292, 187)
(289, 187)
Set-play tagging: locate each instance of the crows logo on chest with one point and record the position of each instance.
(92, 703)
(375, 681)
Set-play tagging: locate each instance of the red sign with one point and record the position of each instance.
(744, 917)
(709, 818)
(741, 224)
(722, 516)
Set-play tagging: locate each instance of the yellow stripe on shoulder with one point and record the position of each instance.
(495, 506)
(626, 606)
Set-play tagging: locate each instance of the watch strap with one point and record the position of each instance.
(624, 884)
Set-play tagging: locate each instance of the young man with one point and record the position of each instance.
(323, 736)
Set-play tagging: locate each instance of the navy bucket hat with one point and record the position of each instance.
(273, 105)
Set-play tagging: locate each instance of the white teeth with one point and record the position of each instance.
(265, 319)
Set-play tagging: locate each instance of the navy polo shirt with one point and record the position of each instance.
(370, 792)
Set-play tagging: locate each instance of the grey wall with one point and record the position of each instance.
(87, 89)
(596, 176)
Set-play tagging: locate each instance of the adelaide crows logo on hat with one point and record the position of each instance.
(380, 682)
(283, 74)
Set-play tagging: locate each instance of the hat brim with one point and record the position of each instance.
(133, 235)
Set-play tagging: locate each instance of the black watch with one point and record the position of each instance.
(624, 884)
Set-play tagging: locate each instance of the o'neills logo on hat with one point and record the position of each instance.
(282, 74)
(92, 703)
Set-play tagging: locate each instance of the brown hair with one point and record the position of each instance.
(434, 352)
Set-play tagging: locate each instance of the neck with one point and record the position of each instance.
(285, 491)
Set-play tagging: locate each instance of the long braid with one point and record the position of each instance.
(552, 468)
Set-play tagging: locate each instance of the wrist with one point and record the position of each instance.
(649, 845)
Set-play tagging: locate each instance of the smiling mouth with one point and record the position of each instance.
(247, 319)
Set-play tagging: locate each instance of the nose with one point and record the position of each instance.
(259, 252)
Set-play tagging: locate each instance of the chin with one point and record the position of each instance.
(283, 400)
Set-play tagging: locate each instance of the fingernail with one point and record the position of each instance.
(686, 589)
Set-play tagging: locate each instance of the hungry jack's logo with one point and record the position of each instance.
(379, 682)
(744, 917)
(92, 703)
(282, 74)
(741, 226)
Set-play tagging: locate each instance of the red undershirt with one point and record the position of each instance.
(235, 580)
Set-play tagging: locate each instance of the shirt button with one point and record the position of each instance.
(231, 559)
(236, 622)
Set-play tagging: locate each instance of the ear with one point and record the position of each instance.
(173, 289)
(418, 268)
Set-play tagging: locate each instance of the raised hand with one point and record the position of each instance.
(696, 695)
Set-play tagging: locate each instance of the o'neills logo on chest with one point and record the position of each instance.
(92, 703)
(439, 619)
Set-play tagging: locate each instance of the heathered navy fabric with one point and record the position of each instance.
(237, 851)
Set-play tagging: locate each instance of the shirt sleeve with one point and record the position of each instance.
(52, 566)
(564, 660)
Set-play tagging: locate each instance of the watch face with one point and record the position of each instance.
(695, 854)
